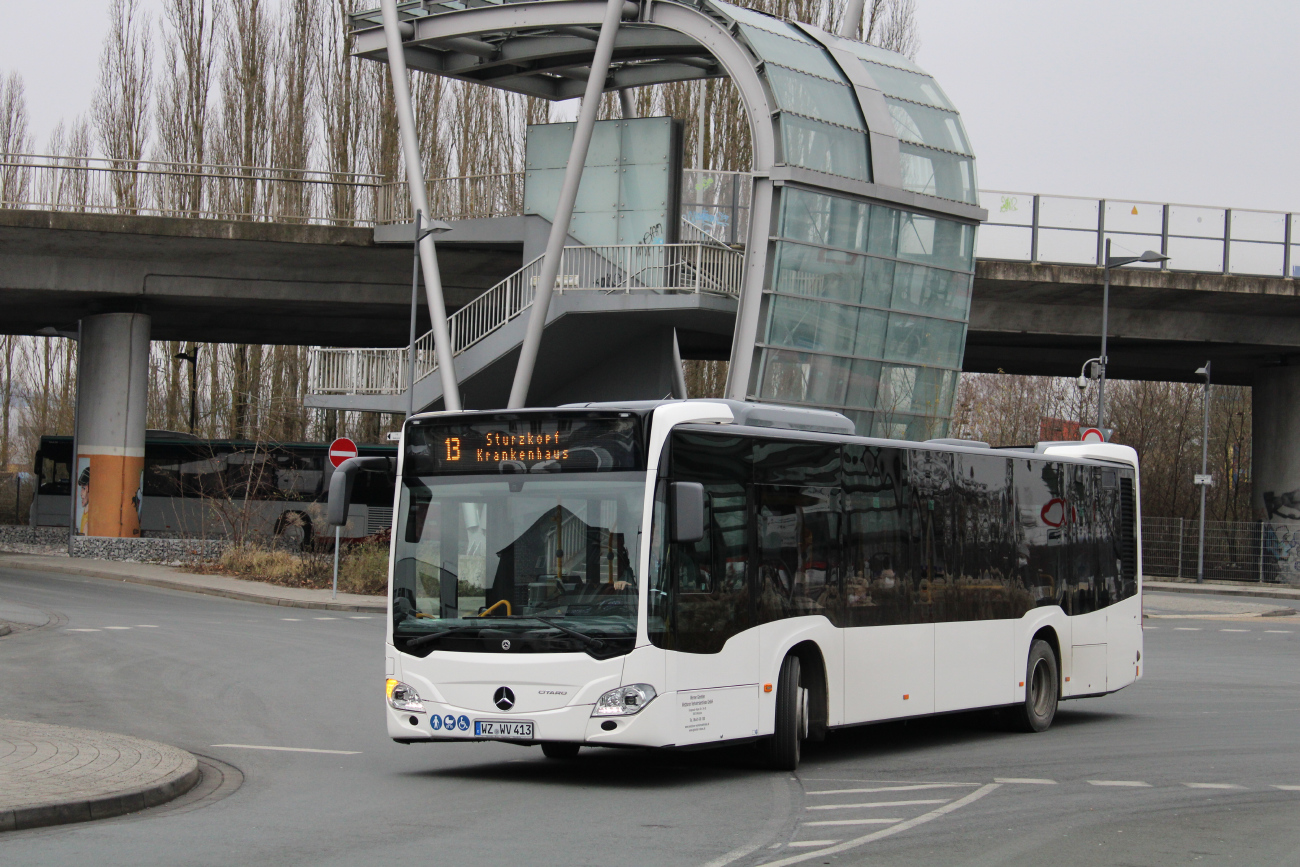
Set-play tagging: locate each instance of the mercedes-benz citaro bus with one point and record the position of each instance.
(709, 572)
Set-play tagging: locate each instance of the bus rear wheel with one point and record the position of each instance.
(554, 750)
(785, 747)
(1041, 690)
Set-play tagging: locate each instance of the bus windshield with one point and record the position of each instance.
(518, 563)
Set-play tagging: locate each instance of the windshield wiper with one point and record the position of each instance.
(591, 641)
(431, 638)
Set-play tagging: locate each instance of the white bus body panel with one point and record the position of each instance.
(973, 664)
(888, 672)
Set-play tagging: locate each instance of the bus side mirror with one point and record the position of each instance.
(336, 514)
(688, 511)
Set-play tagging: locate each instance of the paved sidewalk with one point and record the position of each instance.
(211, 585)
(51, 775)
(1267, 591)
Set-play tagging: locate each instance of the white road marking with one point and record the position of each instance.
(1288, 788)
(359, 617)
(1213, 786)
(81, 630)
(290, 749)
(292, 619)
(146, 626)
(1144, 626)
(117, 627)
(1187, 629)
(324, 618)
(891, 788)
(1137, 784)
(877, 804)
(812, 843)
(886, 832)
(1280, 631)
(1025, 781)
(852, 822)
(1234, 630)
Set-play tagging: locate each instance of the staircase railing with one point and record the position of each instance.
(695, 268)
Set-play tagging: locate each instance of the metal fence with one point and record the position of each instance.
(1266, 552)
(462, 198)
(168, 189)
(1069, 230)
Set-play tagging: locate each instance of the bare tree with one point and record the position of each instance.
(294, 133)
(339, 93)
(121, 104)
(189, 52)
(14, 139)
(244, 138)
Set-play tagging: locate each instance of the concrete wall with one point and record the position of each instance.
(1275, 446)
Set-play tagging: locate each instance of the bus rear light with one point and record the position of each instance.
(402, 697)
(625, 700)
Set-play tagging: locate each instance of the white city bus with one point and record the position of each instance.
(691, 573)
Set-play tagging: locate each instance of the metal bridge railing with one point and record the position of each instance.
(168, 189)
(1068, 230)
(627, 268)
(1265, 552)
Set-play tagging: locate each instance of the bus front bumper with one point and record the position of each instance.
(572, 724)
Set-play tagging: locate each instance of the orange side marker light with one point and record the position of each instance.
(767, 687)
(1022, 683)
(906, 696)
(1067, 680)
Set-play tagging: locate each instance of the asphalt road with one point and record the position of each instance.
(1188, 766)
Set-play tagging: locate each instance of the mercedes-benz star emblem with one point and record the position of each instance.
(505, 644)
(504, 699)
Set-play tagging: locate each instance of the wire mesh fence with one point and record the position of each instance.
(1263, 552)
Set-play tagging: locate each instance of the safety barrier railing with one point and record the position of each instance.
(623, 269)
(1069, 230)
(171, 189)
(1264, 552)
(459, 198)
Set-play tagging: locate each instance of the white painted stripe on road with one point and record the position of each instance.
(325, 618)
(1234, 630)
(812, 843)
(1187, 629)
(117, 627)
(891, 788)
(1280, 631)
(1029, 781)
(356, 617)
(1137, 784)
(290, 749)
(887, 832)
(292, 619)
(81, 630)
(852, 822)
(1213, 786)
(1288, 788)
(877, 804)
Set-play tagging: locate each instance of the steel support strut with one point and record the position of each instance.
(420, 199)
(564, 208)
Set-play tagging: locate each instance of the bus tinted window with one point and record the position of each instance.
(878, 542)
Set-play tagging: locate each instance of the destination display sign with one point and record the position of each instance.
(525, 444)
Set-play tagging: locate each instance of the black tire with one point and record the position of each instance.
(560, 751)
(1042, 690)
(785, 747)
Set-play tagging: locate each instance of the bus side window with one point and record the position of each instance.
(876, 549)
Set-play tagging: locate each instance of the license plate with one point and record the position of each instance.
(484, 728)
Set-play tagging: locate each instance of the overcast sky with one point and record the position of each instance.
(1177, 100)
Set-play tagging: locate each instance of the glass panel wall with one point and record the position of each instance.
(865, 312)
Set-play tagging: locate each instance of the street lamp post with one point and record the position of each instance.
(1203, 480)
(435, 227)
(193, 358)
(1113, 262)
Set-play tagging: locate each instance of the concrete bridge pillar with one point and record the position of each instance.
(1275, 443)
(112, 390)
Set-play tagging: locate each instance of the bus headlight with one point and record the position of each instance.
(402, 697)
(624, 701)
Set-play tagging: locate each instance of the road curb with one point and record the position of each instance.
(227, 593)
(84, 807)
(1222, 590)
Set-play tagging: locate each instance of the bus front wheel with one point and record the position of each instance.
(1041, 690)
(786, 744)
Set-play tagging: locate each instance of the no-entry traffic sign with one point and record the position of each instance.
(1093, 435)
(342, 449)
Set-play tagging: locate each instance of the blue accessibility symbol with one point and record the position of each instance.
(435, 721)
(450, 722)
(463, 723)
